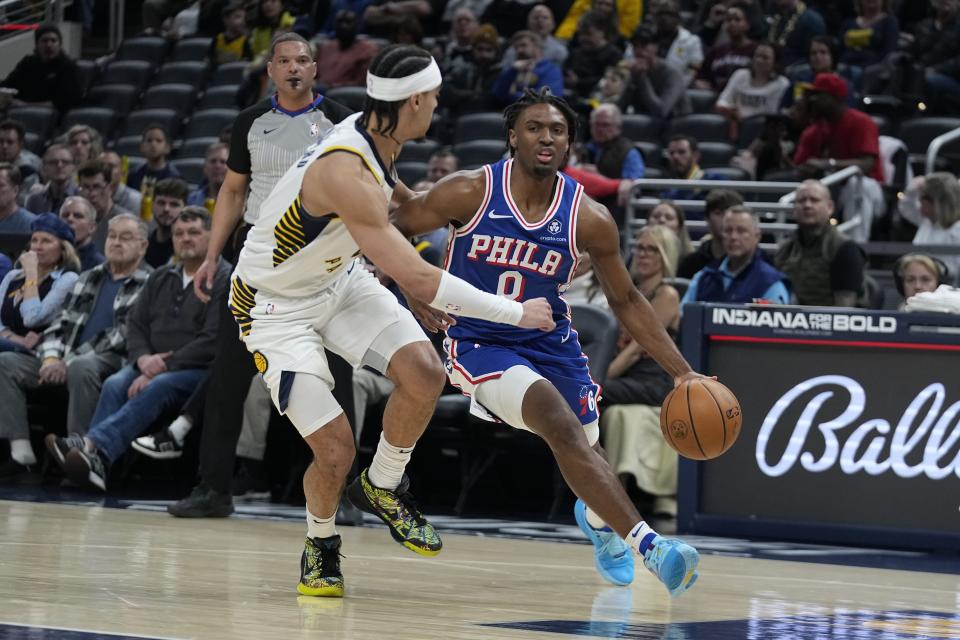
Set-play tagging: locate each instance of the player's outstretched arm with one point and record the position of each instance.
(597, 235)
(362, 206)
(455, 198)
(227, 212)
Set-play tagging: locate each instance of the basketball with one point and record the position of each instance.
(700, 419)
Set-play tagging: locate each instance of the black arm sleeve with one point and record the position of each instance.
(334, 111)
(846, 270)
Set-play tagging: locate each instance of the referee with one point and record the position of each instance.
(267, 139)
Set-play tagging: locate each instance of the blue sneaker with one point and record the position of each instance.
(614, 559)
(673, 561)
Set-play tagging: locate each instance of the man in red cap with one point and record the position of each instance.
(839, 136)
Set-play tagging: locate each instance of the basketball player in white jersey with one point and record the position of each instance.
(538, 381)
(299, 287)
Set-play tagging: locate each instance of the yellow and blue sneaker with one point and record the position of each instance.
(612, 556)
(672, 561)
(320, 568)
(398, 511)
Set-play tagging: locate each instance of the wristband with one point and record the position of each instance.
(458, 297)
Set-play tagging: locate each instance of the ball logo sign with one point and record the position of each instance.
(923, 442)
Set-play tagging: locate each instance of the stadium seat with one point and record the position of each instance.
(222, 97)
(884, 125)
(350, 97)
(192, 73)
(918, 133)
(638, 127)
(133, 72)
(191, 49)
(702, 126)
(476, 153)
(480, 126)
(651, 152)
(119, 97)
(191, 169)
(137, 121)
(88, 71)
(418, 151)
(128, 146)
(701, 100)
(100, 118)
(229, 73)
(179, 97)
(716, 154)
(750, 129)
(195, 147)
(38, 120)
(209, 122)
(148, 49)
(731, 173)
(411, 172)
(33, 142)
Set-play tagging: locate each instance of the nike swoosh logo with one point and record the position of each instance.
(497, 216)
(266, 131)
(566, 337)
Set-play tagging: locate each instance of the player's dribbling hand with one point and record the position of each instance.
(537, 314)
(690, 375)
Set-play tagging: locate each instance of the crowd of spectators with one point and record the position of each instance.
(111, 233)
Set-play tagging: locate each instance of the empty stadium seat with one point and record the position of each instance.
(209, 122)
(651, 152)
(191, 49)
(639, 127)
(918, 133)
(119, 97)
(137, 121)
(87, 71)
(731, 173)
(192, 73)
(702, 126)
(103, 119)
(191, 169)
(179, 97)
(222, 97)
(716, 154)
(133, 72)
(148, 49)
(480, 126)
(229, 73)
(479, 152)
(418, 151)
(411, 172)
(33, 142)
(128, 146)
(750, 129)
(195, 147)
(701, 100)
(38, 120)
(350, 97)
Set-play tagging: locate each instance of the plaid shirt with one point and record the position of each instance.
(60, 338)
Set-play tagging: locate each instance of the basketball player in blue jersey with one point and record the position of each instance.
(520, 229)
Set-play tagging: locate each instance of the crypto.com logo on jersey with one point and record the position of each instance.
(855, 435)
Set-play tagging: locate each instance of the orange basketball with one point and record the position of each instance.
(700, 419)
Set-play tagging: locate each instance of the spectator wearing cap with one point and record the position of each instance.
(468, 80)
(33, 295)
(540, 20)
(85, 344)
(656, 87)
(13, 217)
(343, 61)
(82, 218)
(47, 77)
(58, 173)
(530, 71)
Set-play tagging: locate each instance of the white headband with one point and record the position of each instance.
(394, 89)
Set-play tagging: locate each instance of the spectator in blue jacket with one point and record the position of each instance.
(530, 71)
(743, 275)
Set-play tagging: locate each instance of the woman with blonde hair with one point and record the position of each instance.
(671, 216)
(933, 204)
(84, 141)
(636, 385)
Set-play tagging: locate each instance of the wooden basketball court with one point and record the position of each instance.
(76, 571)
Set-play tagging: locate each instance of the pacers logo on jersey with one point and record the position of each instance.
(260, 362)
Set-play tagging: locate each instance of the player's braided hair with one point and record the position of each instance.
(530, 98)
(394, 61)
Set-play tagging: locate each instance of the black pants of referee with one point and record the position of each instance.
(227, 386)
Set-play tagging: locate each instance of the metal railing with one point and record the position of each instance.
(16, 15)
(934, 149)
(828, 181)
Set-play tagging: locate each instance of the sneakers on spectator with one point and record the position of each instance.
(60, 447)
(86, 469)
(203, 502)
(159, 446)
(250, 482)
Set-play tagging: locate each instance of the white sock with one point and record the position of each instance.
(22, 452)
(594, 520)
(179, 428)
(388, 464)
(321, 527)
(641, 537)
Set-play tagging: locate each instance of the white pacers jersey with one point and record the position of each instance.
(292, 254)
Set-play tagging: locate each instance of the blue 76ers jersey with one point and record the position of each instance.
(500, 252)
